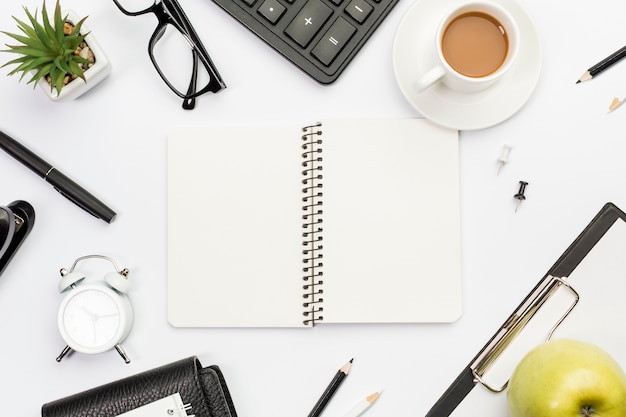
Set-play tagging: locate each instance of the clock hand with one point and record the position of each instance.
(95, 332)
(91, 315)
(101, 316)
(94, 319)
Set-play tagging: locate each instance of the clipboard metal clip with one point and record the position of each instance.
(516, 323)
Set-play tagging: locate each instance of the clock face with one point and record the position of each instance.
(92, 319)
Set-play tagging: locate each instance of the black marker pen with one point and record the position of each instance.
(72, 191)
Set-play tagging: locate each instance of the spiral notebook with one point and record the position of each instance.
(344, 221)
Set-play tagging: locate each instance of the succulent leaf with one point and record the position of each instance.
(27, 30)
(47, 26)
(42, 72)
(32, 64)
(59, 79)
(79, 25)
(74, 68)
(34, 43)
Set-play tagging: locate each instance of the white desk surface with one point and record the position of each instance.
(113, 141)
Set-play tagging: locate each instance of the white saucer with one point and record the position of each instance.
(414, 54)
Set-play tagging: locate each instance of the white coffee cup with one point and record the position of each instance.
(465, 64)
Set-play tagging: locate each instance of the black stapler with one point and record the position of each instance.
(16, 222)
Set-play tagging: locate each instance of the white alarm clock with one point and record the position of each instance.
(94, 317)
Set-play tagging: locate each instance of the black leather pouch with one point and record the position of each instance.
(204, 388)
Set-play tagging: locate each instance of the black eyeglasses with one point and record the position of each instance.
(169, 47)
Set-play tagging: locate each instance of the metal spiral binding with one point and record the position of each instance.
(312, 223)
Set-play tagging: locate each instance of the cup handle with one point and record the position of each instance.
(428, 79)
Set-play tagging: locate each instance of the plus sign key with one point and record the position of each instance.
(308, 22)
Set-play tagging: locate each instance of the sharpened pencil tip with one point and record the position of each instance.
(615, 104)
(346, 368)
(372, 397)
(586, 76)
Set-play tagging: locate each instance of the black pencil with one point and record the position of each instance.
(602, 65)
(331, 389)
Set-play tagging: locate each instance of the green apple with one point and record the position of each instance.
(567, 378)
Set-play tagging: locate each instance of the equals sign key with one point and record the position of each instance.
(333, 41)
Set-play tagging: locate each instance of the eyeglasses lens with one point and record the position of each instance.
(175, 59)
(134, 6)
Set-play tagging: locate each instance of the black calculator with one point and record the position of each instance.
(319, 36)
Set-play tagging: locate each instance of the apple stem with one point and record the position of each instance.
(587, 411)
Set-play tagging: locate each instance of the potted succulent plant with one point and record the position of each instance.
(59, 54)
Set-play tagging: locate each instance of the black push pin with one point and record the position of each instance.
(520, 194)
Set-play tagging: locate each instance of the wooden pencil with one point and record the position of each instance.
(330, 390)
(602, 65)
(363, 405)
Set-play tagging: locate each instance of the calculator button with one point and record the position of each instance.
(271, 10)
(308, 22)
(359, 10)
(333, 41)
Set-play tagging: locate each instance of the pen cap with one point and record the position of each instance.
(79, 196)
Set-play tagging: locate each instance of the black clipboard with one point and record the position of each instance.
(557, 277)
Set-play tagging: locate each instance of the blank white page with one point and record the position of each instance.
(391, 222)
(234, 247)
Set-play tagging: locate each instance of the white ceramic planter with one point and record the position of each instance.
(98, 72)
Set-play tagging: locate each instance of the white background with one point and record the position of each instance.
(113, 141)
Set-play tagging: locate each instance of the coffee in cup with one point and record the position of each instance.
(476, 44)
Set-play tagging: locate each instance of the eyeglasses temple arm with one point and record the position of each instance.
(190, 103)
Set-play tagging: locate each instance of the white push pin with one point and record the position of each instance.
(504, 157)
